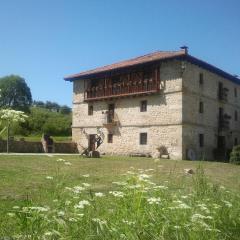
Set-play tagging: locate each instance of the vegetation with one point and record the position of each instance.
(53, 106)
(14, 93)
(44, 117)
(8, 118)
(42, 120)
(235, 155)
(69, 197)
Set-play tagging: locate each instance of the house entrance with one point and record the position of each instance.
(111, 109)
(91, 143)
(221, 142)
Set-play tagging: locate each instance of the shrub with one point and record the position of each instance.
(235, 155)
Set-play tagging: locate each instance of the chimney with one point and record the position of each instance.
(185, 48)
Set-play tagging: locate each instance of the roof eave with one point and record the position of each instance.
(212, 68)
(92, 75)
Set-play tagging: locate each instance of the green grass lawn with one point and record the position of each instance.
(26, 181)
(37, 138)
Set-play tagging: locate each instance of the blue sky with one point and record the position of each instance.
(45, 40)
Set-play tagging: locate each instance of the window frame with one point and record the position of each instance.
(143, 106)
(201, 79)
(110, 138)
(201, 107)
(201, 140)
(90, 110)
(236, 115)
(143, 138)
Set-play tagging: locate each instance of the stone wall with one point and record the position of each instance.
(162, 121)
(172, 118)
(206, 123)
(36, 147)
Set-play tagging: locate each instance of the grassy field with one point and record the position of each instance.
(36, 138)
(76, 196)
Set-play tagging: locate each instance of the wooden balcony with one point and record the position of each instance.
(111, 120)
(223, 122)
(121, 89)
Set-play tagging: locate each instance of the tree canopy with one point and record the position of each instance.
(15, 93)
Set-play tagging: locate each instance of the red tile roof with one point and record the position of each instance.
(159, 55)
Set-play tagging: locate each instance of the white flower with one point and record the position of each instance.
(154, 200)
(99, 221)
(135, 186)
(117, 194)
(183, 206)
(49, 177)
(149, 170)
(82, 204)
(61, 213)
(216, 206)
(16, 207)
(67, 163)
(12, 115)
(11, 214)
(227, 203)
(160, 187)
(61, 160)
(67, 203)
(197, 217)
(77, 189)
(39, 209)
(99, 194)
(130, 223)
(72, 220)
(86, 175)
(203, 207)
(80, 214)
(143, 176)
(86, 184)
(120, 183)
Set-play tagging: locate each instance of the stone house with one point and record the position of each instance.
(167, 101)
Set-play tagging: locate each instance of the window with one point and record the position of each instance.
(143, 107)
(143, 138)
(235, 141)
(200, 78)
(235, 92)
(90, 110)
(110, 138)
(201, 140)
(236, 115)
(200, 107)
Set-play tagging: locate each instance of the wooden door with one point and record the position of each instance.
(111, 109)
(91, 144)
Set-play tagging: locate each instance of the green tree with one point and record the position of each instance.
(14, 93)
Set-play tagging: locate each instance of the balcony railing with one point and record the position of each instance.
(121, 89)
(223, 94)
(224, 122)
(110, 119)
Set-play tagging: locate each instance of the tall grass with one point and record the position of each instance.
(136, 208)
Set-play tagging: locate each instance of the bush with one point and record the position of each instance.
(42, 120)
(235, 155)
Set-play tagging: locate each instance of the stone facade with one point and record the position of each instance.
(207, 123)
(172, 118)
